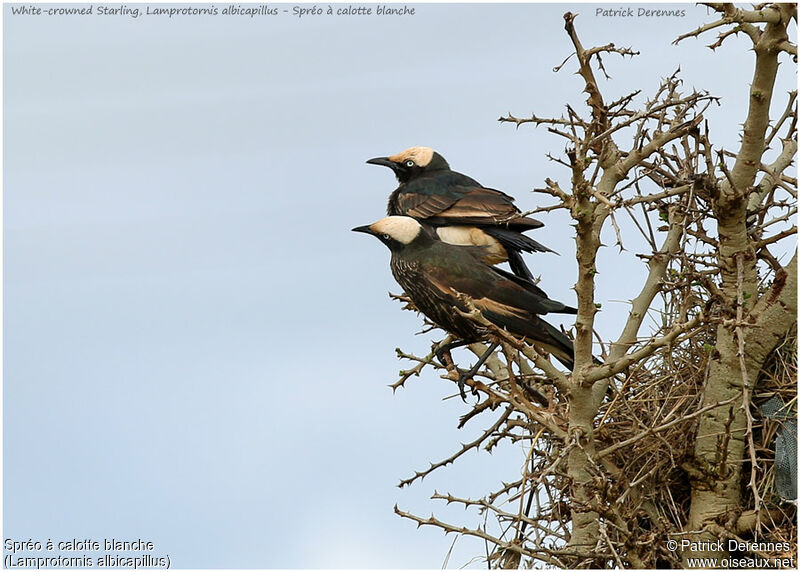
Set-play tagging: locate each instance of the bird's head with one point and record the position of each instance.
(412, 162)
(395, 232)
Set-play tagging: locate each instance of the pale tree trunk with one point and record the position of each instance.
(744, 339)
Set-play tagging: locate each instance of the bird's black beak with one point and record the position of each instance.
(364, 228)
(382, 161)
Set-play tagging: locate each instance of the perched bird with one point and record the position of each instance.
(433, 273)
(462, 211)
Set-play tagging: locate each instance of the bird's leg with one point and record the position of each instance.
(474, 369)
(444, 350)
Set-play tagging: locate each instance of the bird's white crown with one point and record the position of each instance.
(420, 155)
(403, 229)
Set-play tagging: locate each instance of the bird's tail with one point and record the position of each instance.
(559, 345)
(518, 265)
(540, 332)
(516, 240)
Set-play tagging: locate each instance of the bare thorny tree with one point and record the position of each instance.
(664, 441)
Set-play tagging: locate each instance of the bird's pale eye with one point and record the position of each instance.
(386, 236)
(409, 163)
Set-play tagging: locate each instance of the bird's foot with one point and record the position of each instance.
(462, 380)
(463, 376)
(443, 355)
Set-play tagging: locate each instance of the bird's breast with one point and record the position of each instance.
(437, 306)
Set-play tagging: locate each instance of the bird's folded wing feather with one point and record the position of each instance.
(479, 206)
(424, 206)
(457, 204)
(491, 290)
(557, 307)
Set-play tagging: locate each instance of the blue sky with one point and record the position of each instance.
(196, 348)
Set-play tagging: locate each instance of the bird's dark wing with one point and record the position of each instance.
(422, 205)
(462, 272)
(478, 205)
(454, 198)
(488, 207)
(517, 320)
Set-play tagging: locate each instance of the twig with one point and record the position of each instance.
(464, 448)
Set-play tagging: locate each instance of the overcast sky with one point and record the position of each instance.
(196, 347)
